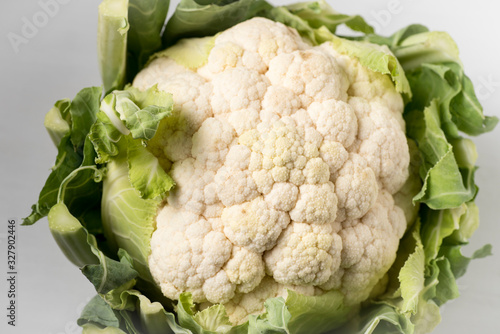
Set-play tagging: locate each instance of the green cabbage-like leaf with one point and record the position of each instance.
(128, 219)
(112, 31)
(145, 172)
(444, 184)
(378, 58)
(209, 321)
(319, 13)
(74, 150)
(191, 53)
(199, 18)
(146, 18)
(57, 120)
(142, 111)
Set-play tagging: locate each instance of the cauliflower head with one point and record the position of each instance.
(286, 158)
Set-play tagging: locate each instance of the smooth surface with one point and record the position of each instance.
(59, 58)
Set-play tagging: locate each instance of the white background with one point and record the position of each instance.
(60, 58)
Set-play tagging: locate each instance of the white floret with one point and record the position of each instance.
(264, 37)
(186, 254)
(370, 246)
(254, 225)
(356, 188)
(306, 254)
(335, 120)
(316, 204)
(245, 269)
(312, 75)
(237, 89)
(382, 143)
(211, 143)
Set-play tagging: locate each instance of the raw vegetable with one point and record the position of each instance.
(262, 174)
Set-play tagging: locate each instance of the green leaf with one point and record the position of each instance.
(317, 313)
(273, 321)
(74, 151)
(191, 53)
(378, 58)
(82, 193)
(444, 185)
(437, 225)
(152, 316)
(105, 137)
(58, 120)
(209, 321)
(142, 111)
(128, 219)
(459, 262)
(109, 274)
(97, 311)
(146, 18)
(426, 48)
(319, 13)
(83, 110)
(383, 319)
(145, 172)
(199, 18)
(467, 112)
(112, 43)
(70, 236)
(412, 278)
(447, 288)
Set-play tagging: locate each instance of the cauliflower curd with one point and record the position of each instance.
(286, 158)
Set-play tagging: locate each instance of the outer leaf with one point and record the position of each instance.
(198, 18)
(375, 57)
(469, 222)
(146, 18)
(435, 71)
(109, 274)
(83, 110)
(128, 219)
(57, 120)
(209, 321)
(426, 48)
(153, 318)
(112, 43)
(444, 185)
(447, 287)
(459, 262)
(70, 236)
(97, 311)
(317, 314)
(145, 172)
(81, 188)
(412, 277)
(437, 225)
(273, 321)
(383, 319)
(319, 14)
(105, 137)
(467, 112)
(191, 53)
(143, 111)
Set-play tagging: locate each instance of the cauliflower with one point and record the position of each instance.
(286, 157)
(262, 174)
